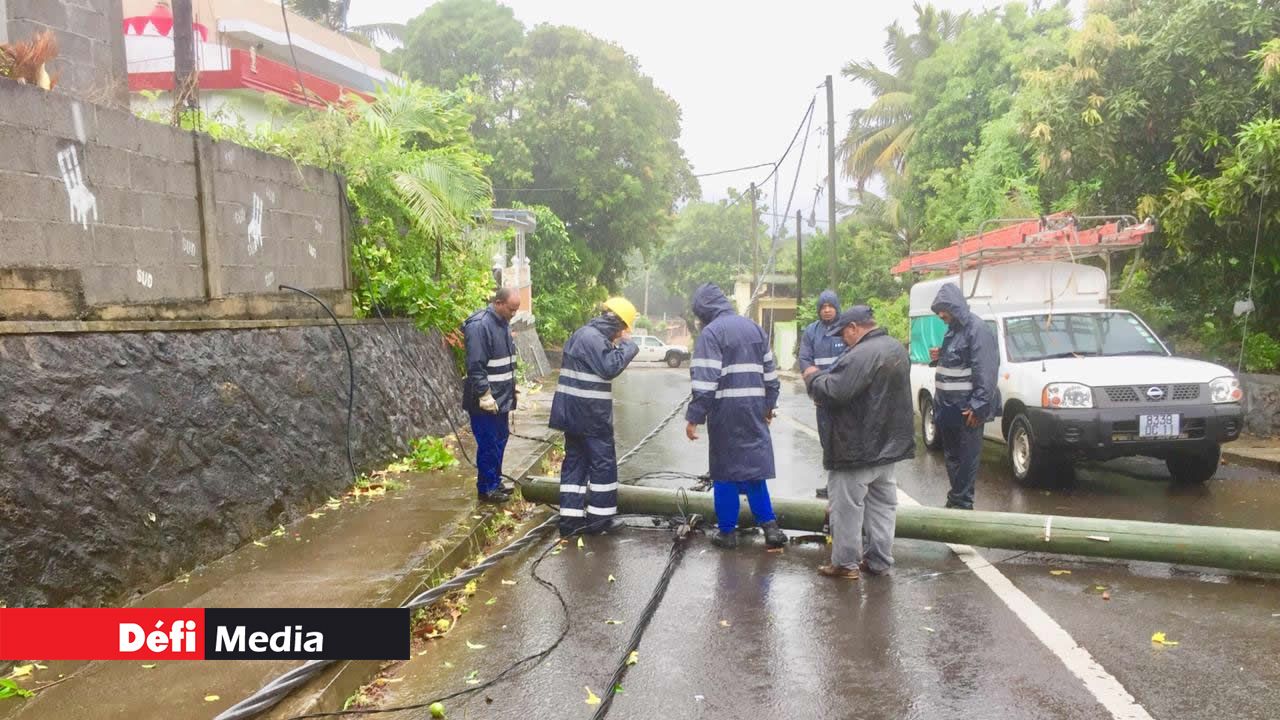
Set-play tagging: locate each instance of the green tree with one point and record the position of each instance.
(454, 40)
(333, 15)
(585, 124)
(880, 134)
(710, 242)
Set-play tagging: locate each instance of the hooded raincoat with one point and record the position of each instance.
(968, 363)
(816, 347)
(735, 384)
(491, 362)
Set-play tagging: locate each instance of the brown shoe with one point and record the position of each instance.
(864, 567)
(837, 571)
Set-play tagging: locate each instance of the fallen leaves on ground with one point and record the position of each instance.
(1059, 572)
(776, 551)
(725, 623)
(928, 629)
(613, 579)
(491, 601)
(612, 622)
(473, 677)
(212, 698)
(259, 543)
(148, 666)
(1160, 639)
(22, 671)
(592, 698)
(278, 532)
(9, 688)
(470, 588)
(508, 582)
(633, 658)
(475, 646)
(315, 515)
(581, 544)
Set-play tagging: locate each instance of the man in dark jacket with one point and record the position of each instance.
(868, 395)
(735, 391)
(820, 349)
(489, 391)
(965, 392)
(582, 409)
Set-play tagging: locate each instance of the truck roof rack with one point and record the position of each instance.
(1046, 238)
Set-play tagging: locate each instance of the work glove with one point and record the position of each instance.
(487, 403)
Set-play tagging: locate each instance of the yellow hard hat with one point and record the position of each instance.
(623, 308)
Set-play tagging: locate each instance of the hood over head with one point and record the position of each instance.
(709, 303)
(608, 324)
(951, 299)
(829, 297)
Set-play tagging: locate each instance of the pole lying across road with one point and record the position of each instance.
(1207, 546)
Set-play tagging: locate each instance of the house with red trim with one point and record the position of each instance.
(244, 55)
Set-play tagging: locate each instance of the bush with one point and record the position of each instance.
(1261, 353)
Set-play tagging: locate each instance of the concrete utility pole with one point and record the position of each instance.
(799, 264)
(184, 56)
(831, 177)
(755, 244)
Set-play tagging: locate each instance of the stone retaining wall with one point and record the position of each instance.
(127, 458)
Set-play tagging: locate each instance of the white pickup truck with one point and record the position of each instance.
(654, 350)
(1080, 380)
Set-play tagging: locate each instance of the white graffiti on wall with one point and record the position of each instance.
(189, 247)
(311, 249)
(319, 226)
(82, 201)
(145, 278)
(270, 279)
(255, 226)
(271, 196)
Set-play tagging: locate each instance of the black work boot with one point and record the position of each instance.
(495, 497)
(726, 540)
(773, 535)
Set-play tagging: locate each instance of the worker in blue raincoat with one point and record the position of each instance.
(735, 391)
(820, 349)
(583, 410)
(489, 391)
(965, 393)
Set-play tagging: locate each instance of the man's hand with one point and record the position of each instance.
(934, 353)
(691, 431)
(768, 416)
(810, 372)
(624, 336)
(487, 403)
(970, 419)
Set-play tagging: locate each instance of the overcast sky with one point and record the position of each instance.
(742, 73)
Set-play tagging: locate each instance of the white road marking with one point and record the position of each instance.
(1104, 686)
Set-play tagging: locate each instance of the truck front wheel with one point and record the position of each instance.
(1029, 462)
(673, 359)
(1194, 468)
(928, 430)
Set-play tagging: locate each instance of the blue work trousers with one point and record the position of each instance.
(727, 504)
(588, 483)
(491, 431)
(962, 448)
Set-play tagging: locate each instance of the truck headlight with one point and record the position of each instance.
(1067, 395)
(1225, 390)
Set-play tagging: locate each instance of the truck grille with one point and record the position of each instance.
(1138, 394)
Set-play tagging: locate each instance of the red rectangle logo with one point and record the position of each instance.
(101, 633)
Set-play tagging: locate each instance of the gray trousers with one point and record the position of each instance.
(863, 501)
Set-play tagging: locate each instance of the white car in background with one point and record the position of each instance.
(654, 350)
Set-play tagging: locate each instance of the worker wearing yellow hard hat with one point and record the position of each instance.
(582, 409)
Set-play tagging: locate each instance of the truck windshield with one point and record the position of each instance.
(1043, 337)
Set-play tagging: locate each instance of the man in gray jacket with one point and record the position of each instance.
(867, 393)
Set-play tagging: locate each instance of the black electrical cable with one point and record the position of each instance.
(351, 374)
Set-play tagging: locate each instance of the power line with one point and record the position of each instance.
(733, 170)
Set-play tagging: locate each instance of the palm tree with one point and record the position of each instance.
(879, 135)
(333, 15)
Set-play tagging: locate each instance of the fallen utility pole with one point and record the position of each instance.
(1207, 546)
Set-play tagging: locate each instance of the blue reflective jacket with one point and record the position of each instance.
(968, 363)
(734, 384)
(491, 361)
(583, 403)
(815, 347)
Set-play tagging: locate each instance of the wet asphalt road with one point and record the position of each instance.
(753, 634)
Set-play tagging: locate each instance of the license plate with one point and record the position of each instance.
(1158, 426)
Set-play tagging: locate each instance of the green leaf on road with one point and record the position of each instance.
(9, 688)
(475, 646)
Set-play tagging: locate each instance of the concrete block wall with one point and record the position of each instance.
(123, 202)
(91, 61)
